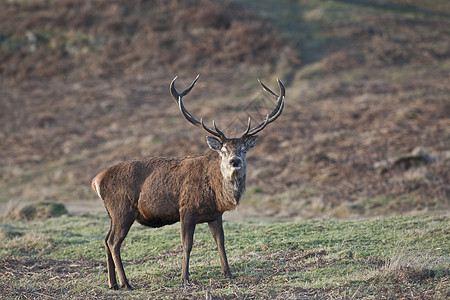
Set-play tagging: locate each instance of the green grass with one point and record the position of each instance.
(364, 258)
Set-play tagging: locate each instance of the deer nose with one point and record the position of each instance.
(235, 162)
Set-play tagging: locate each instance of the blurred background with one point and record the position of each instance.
(365, 131)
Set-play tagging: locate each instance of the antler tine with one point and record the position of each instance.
(267, 89)
(178, 99)
(174, 92)
(219, 131)
(274, 114)
(216, 133)
(248, 127)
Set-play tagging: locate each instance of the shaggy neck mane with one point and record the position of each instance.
(233, 187)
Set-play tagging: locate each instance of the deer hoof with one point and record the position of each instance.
(185, 282)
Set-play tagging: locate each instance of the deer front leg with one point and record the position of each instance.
(187, 239)
(216, 228)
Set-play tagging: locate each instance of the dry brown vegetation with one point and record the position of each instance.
(85, 85)
(73, 40)
(33, 211)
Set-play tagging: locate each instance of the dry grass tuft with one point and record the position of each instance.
(403, 269)
(33, 211)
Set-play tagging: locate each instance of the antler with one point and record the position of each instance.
(272, 116)
(178, 99)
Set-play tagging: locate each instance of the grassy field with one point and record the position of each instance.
(390, 258)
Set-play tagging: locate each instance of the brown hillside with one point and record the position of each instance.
(73, 40)
(365, 131)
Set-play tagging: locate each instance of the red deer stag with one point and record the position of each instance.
(164, 190)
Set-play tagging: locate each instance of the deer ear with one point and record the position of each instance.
(251, 142)
(214, 143)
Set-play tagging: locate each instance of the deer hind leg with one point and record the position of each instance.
(110, 264)
(119, 229)
(218, 235)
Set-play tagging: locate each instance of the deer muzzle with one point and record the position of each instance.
(235, 163)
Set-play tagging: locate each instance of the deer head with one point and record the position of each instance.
(232, 150)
